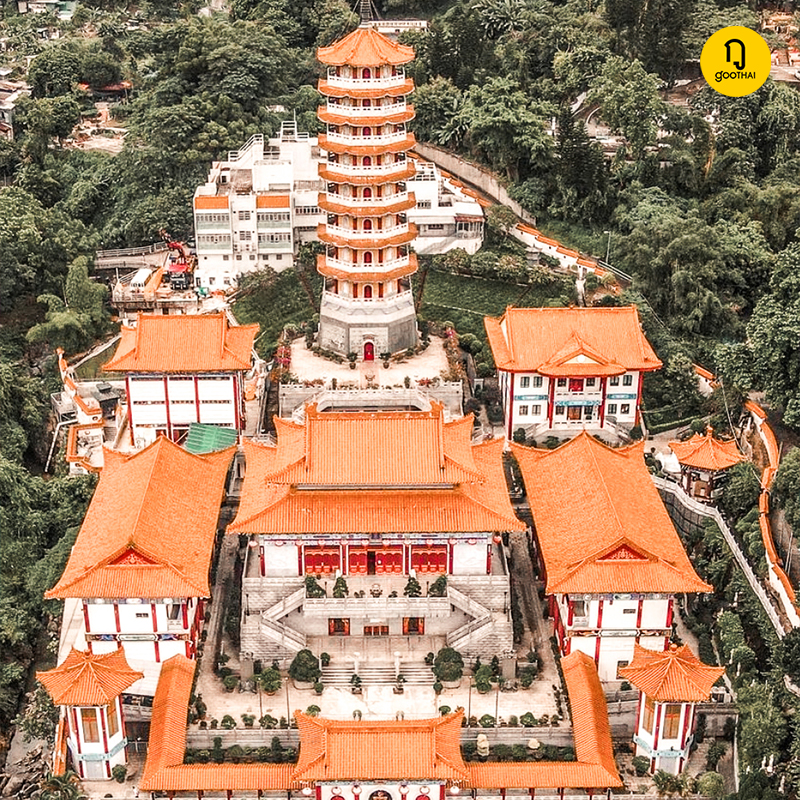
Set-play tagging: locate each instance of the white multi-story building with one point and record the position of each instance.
(260, 204)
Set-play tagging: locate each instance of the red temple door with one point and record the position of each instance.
(369, 351)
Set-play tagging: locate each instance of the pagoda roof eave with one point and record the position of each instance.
(406, 143)
(366, 210)
(366, 243)
(395, 118)
(329, 174)
(372, 93)
(360, 275)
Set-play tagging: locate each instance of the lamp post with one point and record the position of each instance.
(608, 246)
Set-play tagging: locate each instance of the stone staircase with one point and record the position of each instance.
(415, 673)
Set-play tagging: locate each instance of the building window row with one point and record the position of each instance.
(213, 238)
(535, 410)
(274, 216)
(307, 210)
(526, 381)
(274, 237)
(244, 215)
(210, 218)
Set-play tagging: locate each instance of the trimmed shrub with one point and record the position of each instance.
(305, 667)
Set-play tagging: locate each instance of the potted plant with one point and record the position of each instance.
(325, 659)
(385, 358)
(483, 679)
(340, 590)
(270, 680)
(230, 682)
(398, 684)
(439, 587)
(351, 357)
(412, 589)
(355, 684)
(319, 686)
(313, 589)
(304, 670)
(248, 720)
(313, 711)
(448, 667)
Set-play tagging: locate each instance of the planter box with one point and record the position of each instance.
(302, 684)
(451, 684)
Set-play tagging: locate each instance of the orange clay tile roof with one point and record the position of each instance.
(563, 342)
(705, 452)
(368, 472)
(397, 146)
(325, 202)
(184, 343)
(208, 201)
(396, 90)
(426, 749)
(393, 117)
(365, 47)
(600, 522)
(364, 276)
(671, 676)
(149, 530)
(164, 769)
(594, 768)
(328, 172)
(364, 240)
(272, 201)
(346, 751)
(83, 679)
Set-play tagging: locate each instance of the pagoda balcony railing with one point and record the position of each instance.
(359, 301)
(357, 140)
(364, 111)
(356, 267)
(346, 200)
(372, 169)
(374, 233)
(367, 83)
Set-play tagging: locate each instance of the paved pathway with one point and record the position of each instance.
(430, 363)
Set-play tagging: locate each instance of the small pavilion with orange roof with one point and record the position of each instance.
(88, 688)
(671, 683)
(704, 459)
(609, 554)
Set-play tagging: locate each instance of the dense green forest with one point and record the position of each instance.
(702, 202)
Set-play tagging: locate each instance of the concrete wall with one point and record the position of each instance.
(477, 176)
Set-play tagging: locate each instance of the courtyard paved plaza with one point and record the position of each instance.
(430, 363)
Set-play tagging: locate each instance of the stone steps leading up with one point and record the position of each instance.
(339, 674)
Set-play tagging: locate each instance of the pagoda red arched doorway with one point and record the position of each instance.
(369, 351)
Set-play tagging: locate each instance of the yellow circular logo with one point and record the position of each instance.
(735, 61)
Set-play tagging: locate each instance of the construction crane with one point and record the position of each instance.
(182, 263)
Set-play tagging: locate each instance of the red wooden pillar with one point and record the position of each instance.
(603, 382)
(197, 397)
(639, 399)
(166, 407)
(510, 405)
(551, 402)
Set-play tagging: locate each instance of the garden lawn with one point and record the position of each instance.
(465, 301)
(275, 306)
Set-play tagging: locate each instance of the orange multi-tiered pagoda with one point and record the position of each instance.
(367, 307)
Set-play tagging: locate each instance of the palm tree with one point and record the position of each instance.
(62, 787)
